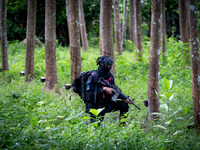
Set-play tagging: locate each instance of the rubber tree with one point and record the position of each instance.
(154, 63)
(75, 52)
(30, 40)
(118, 41)
(106, 30)
(50, 46)
(4, 46)
(194, 50)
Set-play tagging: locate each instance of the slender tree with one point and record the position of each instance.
(154, 64)
(75, 52)
(194, 47)
(30, 38)
(138, 31)
(0, 20)
(82, 26)
(184, 24)
(124, 23)
(50, 46)
(118, 42)
(68, 16)
(131, 21)
(106, 30)
(183, 21)
(4, 50)
(163, 29)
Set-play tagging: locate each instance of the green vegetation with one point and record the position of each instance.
(33, 119)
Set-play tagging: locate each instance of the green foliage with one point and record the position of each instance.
(33, 119)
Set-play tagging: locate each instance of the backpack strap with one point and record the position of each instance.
(96, 78)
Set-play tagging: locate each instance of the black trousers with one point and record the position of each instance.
(113, 106)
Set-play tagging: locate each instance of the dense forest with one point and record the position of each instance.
(47, 44)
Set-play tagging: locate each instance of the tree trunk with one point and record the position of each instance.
(138, 31)
(131, 21)
(194, 35)
(183, 21)
(50, 46)
(4, 50)
(118, 41)
(30, 37)
(68, 17)
(154, 64)
(184, 25)
(82, 26)
(124, 24)
(163, 29)
(75, 52)
(106, 31)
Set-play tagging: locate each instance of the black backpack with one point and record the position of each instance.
(79, 84)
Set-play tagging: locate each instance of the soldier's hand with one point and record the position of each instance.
(108, 90)
(128, 101)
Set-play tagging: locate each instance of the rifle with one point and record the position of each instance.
(118, 92)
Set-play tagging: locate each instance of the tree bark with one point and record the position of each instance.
(131, 21)
(50, 46)
(30, 37)
(124, 23)
(82, 26)
(68, 17)
(75, 52)
(184, 25)
(138, 31)
(118, 41)
(4, 49)
(163, 29)
(194, 48)
(106, 31)
(183, 21)
(154, 64)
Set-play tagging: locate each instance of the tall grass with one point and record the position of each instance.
(33, 119)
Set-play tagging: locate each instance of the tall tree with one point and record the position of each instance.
(118, 42)
(184, 24)
(30, 38)
(106, 31)
(75, 52)
(68, 16)
(50, 46)
(131, 21)
(82, 26)
(154, 64)
(183, 21)
(194, 48)
(124, 23)
(4, 49)
(138, 30)
(163, 29)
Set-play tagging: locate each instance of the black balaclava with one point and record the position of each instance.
(107, 61)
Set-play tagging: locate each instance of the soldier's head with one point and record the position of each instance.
(105, 64)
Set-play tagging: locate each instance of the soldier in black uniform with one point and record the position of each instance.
(99, 96)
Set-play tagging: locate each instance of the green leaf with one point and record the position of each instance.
(171, 97)
(87, 118)
(34, 121)
(168, 95)
(177, 132)
(168, 122)
(159, 126)
(100, 109)
(94, 112)
(185, 110)
(166, 84)
(60, 117)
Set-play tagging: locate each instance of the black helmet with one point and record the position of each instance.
(105, 60)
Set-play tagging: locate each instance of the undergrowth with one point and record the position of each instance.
(30, 118)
